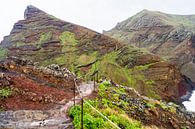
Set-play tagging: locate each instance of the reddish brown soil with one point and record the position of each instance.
(33, 93)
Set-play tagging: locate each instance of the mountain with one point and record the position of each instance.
(169, 36)
(135, 86)
(47, 40)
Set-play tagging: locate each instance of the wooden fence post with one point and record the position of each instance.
(94, 82)
(74, 91)
(82, 113)
(97, 77)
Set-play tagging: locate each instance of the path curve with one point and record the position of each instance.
(55, 118)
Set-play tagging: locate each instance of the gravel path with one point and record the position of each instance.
(55, 118)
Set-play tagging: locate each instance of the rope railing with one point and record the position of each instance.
(105, 117)
(83, 100)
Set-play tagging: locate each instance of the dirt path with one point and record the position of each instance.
(55, 118)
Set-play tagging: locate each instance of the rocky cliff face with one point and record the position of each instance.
(47, 40)
(42, 33)
(169, 36)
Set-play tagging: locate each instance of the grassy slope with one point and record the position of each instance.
(116, 104)
(111, 66)
(119, 65)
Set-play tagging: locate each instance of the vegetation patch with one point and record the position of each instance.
(92, 120)
(118, 105)
(5, 92)
(45, 37)
(109, 68)
(69, 56)
(69, 50)
(68, 38)
(87, 58)
(128, 56)
(60, 60)
(3, 53)
(19, 44)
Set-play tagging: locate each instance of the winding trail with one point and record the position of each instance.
(55, 118)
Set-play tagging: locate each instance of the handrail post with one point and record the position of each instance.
(94, 82)
(82, 113)
(97, 77)
(74, 91)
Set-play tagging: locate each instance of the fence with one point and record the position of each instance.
(95, 79)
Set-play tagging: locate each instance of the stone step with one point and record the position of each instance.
(60, 122)
(29, 115)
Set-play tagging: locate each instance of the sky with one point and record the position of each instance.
(98, 15)
(95, 14)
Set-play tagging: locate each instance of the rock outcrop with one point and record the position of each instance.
(33, 87)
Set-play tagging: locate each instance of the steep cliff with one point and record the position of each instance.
(169, 36)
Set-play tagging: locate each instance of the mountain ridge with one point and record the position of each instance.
(157, 18)
(168, 36)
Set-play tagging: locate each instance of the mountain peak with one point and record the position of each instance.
(145, 10)
(31, 11)
(150, 12)
(147, 19)
(143, 19)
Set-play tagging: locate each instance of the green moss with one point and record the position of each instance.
(171, 108)
(150, 89)
(143, 67)
(44, 38)
(3, 53)
(87, 58)
(69, 53)
(60, 60)
(183, 127)
(111, 69)
(150, 105)
(19, 44)
(68, 38)
(73, 58)
(5, 92)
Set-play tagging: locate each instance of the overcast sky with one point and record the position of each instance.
(95, 14)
